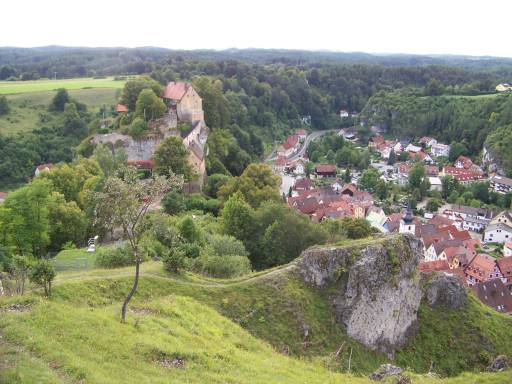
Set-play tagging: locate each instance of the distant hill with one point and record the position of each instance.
(112, 60)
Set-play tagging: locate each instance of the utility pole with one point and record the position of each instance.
(54, 75)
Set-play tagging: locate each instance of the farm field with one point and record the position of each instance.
(30, 110)
(13, 87)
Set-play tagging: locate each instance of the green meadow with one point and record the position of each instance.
(13, 87)
(30, 110)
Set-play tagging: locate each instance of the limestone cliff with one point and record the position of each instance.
(374, 287)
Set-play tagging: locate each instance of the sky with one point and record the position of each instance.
(466, 27)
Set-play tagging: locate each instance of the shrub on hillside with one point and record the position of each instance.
(115, 257)
(222, 266)
(223, 245)
(174, 261)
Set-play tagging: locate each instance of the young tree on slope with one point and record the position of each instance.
(124, 202)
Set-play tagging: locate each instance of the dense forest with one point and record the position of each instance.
(253, 97)
(450, 119)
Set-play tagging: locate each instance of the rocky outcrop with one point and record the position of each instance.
(376, 287)
(446, 291)
(385, 370)
(500, 363)
(490, 161)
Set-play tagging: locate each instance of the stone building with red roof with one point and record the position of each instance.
(183, 98)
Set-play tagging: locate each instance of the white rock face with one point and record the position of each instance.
(378, 290)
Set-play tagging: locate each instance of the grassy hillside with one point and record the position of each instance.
(30, 110)
(190, 329)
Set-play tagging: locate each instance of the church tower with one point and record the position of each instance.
(407, 223)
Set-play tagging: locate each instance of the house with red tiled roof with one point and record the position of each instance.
(121, 108)
(184, 100)
(463, 162)
(326, 170)
(427, 141)
(279, 164)
(375, 141)
(494, 294)
(3, 196)
(505, 265)
(469, 218)
(421, 156)
(303, 184)
(462, 175)
(457, 256)
(482, 268)
(440, 221)
(290, 145)
(434, 266)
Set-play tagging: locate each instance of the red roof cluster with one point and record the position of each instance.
(291, 142)
(321, 203)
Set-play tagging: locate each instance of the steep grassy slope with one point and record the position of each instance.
(219, 330)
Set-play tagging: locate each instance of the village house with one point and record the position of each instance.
(375, 141)
(421, 156)
(426, 141)
(279, 164)
(494, 294)
(463, 176)
(505, 265)
(337, 185)
(344, 113)
(498, 233)
(435, 184)
(121, 108)
(3, 196)
(299, 168)
(433, 266)
(504, 217)
(377, 218)
(439, 149)
(469, 218)
(289, 147)
(482, 268)
(43, 168)
(302, 134)
(501, 184)
(413, 148)
(303, 184)
(507, 249)
(325, 170)
(463, 162)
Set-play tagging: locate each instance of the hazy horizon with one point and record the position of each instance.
(375, 27)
